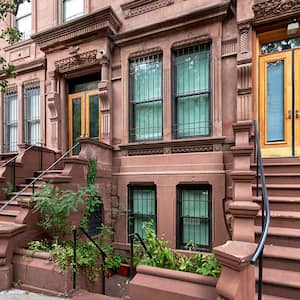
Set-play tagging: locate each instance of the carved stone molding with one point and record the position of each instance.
(103, 21)
(267, 10)
(73, 62)
(191, 41)
(244, 38)
(145, 52)
(244, 77)
(139, 7)
(53, 104)
(145, 151)
(203, 148)
(229, 47)
(103, 91)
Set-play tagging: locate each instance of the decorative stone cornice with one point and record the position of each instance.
(203, 14)
(138, 7)
(103, 21)
(73, 62)
(145, 52)
(271, 10)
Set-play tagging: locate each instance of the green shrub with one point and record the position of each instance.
(165, 257)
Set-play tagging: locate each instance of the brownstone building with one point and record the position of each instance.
(163, 94)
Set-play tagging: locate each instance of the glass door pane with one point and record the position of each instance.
(76, 120)
(93, 115)
(275, 104)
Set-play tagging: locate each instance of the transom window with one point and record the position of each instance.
(72, 9)
(10, 141)
(142, 208)
(24, 19)
(146, 98)
(194, 217)
(191, 109)
(280, 45)
(32, 114)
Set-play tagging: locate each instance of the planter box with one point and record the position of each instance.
(36, 272)
(160, 284)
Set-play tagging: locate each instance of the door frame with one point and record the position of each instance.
(85, 117)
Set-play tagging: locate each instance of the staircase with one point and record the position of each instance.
(281, 273)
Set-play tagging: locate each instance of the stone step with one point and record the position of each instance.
(11, 206)
(276, 166)
(282, 178)
(270, 297)
(85, 295)
(285, 219)
(29, 189)
(8, 215)
(290, 190)
(282, 203)
(283, 258)
(281, 236)
(280, 283)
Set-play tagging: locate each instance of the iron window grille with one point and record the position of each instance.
(194, 217)
(24, 19)
(191, 91)
(72, 9)
(141, 208)
(32, 114)
(10, 128)
(146, 100)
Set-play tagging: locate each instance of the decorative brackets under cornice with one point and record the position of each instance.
(272, 10)
(103, 21)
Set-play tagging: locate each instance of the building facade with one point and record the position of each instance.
(167, 91)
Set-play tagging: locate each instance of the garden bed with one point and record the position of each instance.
(35, 271)
(160, 284)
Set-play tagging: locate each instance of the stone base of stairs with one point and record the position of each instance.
(84, 295)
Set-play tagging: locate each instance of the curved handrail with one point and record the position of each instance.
(37, 178)
(265, 200)
(265, 215)
(14, 157)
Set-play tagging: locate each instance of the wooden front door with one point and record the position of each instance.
(84, 117)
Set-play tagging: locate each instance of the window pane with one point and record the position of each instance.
(94, 116)
(10, 141)
(193, 115)
(76, 122)
(32, 118)
(24, 9)
(194, 218)
(72, 9)
(24, 26)
(275, 101)
(148, 121)
(146, 98)
(142, 203)
(192, 91)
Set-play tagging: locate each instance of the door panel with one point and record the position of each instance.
(276, 104)
(297, 100)
(84, 117)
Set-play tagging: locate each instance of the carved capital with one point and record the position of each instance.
(103, 90)
(53, 104)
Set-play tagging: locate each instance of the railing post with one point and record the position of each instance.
(14, 174)
(74, 257)
(131, 255)
(41, 157)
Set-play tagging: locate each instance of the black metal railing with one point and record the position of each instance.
(14, 158)
(132, 236)
(32, 183)
(265, 211)
(103, 256)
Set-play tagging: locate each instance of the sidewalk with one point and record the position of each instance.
(15, 294)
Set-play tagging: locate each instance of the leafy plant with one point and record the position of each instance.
(165, 257)
(56, 206)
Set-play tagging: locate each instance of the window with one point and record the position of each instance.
(23, 19)
(191, 110)
(10, 141)
(142, 208)
(194, 217)
(146, 98)
(32, 114)
(72, 9)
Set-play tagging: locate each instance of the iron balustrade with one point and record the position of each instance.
(132, 236)
(265, 208)
(32, 183)
(103, 256)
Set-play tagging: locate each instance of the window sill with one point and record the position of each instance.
(18, 44)
(203, 144)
